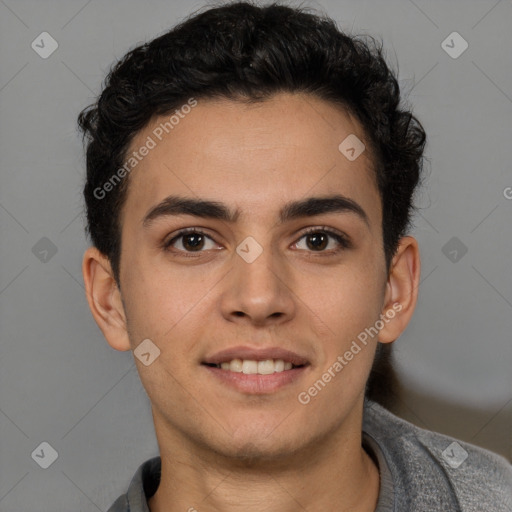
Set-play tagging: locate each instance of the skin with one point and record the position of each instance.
(221, 449)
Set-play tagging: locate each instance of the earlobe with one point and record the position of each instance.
(104, 299)
(401, 290)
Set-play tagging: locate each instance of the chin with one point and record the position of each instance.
(254, 453)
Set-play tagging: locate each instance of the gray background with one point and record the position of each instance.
(61, 383)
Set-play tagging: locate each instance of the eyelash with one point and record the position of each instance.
(343, 241)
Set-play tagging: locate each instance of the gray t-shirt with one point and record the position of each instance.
(420, 471)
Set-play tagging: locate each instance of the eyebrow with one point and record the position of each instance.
(309, 207)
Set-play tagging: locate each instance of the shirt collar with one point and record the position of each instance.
(143, 485)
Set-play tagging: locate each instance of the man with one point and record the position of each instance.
(249, 185)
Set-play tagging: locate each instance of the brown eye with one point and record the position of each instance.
(190, 240)
(317, 240)
(193, 241)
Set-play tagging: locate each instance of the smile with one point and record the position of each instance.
(251, 366)
(248, 378)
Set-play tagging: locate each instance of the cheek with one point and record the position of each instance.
(346, 309)
(347, 298)
(160, 299)
(346, 312)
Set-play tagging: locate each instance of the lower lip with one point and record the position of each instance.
(255, 383)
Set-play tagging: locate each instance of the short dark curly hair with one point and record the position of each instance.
(245, 52)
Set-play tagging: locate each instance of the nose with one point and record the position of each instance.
(258, 292)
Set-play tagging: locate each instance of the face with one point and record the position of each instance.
(258, 277)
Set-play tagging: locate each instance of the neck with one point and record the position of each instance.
(332, 473)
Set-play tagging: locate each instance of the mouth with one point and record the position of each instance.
(263, 361)
(253, 367)
(256, 371)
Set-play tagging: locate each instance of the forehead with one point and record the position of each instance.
(252, 155)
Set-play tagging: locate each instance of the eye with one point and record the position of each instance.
(317, 239)
(194, 240)
(190, 239)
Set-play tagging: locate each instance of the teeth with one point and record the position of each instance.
(251, 367)
(266, 367)
(278, 365)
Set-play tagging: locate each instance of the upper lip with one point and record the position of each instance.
(260, 354)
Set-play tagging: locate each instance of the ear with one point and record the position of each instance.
(104, 299)
(401, 290)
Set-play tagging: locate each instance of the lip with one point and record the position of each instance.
(254, 383)
(261, 354)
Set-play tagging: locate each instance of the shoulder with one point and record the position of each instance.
(143, 485)
(120, 505)
(424, 459)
